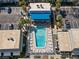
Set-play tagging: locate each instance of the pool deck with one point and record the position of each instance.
(49, 43)
(38, 6)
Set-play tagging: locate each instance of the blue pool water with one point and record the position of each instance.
(40, 36)
(40, 15)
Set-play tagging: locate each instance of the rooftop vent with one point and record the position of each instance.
(10, 39)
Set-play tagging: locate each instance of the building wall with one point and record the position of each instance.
(67, 0)
(49, 0)
(8, 53)
(6, 26)
(21, 42)
(8, 1)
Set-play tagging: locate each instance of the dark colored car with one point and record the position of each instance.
(9, 10)
(68, 26)
(63, 13)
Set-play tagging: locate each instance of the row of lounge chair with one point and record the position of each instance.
(50, 42)
(48, 49)
(40, 6)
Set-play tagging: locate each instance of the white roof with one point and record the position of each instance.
(75, 37)
(64, 43)
(9, 39)
(46, 7)
(68, 41)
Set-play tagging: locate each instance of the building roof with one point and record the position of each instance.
(63, 39)
(9, 39)
(68, 41)
(75, 38)
(37, 6)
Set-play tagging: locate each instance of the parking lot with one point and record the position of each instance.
(10, 10)
(72, 18)
(9, 15)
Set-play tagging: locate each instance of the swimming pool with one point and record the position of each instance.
(40, 15)
(40, 36)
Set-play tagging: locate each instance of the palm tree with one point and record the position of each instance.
(58, 19)
(58, 4)
(49, 1)
(23, 22)
(22, 3)
(24, 8)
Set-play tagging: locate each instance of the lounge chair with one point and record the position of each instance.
(31, 39)
(49, 40)
(31, 42)
(43, 51)
(41, 6)
(31, 48)
(49, 35)
(50, 44)
(38, 6)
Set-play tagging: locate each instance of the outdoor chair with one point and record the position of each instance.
(38, 6)
(41, 6)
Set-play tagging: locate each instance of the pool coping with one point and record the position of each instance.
(45, 40)
(47, 49)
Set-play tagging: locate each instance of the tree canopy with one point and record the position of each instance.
(58, 4)
(23, 21)
(58, 18)
(22, 2)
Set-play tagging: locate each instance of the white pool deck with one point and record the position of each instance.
(49, 43)
(34, 7)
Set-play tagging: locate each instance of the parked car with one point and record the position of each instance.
(9, 10)
(68, 26)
